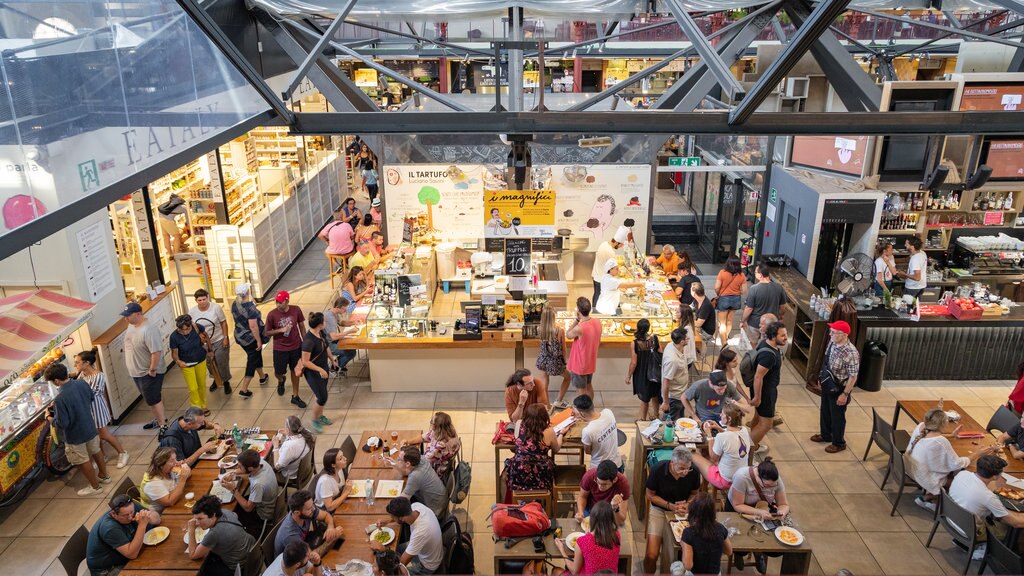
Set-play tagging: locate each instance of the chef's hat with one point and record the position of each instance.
(621, 235)
(611, 263)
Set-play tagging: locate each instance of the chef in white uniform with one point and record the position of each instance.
(605, 252)
(611, 284)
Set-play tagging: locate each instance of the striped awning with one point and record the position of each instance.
(32, 324)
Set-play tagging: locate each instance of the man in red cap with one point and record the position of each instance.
(838, 377)
(287, 325)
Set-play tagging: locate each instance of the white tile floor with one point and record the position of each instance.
(835, 498)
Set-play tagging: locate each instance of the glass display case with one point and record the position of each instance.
(636, 304)
(387, 321)
(23, 403)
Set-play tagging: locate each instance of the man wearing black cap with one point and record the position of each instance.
(143, 353)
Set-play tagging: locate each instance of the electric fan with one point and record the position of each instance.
(854, 274)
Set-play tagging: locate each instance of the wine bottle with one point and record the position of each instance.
(1008, 203)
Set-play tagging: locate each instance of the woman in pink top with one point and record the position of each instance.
(598, 550)
(585, 334)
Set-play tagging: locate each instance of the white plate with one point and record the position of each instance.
(389, 531)
(570, 540)
(585, 525)
(200, 534)
(156, 535)
(687, 423)
(221, 492)
(227, 462)
(799, 536)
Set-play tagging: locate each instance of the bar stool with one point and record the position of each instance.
(542, 496)
(567, 482)
(337, 265)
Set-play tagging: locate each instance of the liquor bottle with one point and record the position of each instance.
(976, 205)
(956, 201)
(983, 205)
(1008, 202)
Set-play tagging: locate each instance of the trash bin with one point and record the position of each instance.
(445, 261)
(872, 366)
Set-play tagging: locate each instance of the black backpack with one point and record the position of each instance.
(172, 204)
(460, 554)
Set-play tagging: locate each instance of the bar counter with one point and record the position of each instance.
(934, 348)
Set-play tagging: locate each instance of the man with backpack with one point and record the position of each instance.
(764, 392)
(747, 363)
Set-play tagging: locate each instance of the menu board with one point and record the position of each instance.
(843, 154)
(1006, 158)
(517, 256)
(992, 97)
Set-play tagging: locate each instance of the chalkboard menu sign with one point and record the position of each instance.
(494, 244)
(404, 282)
(517, 256)
(407, 226)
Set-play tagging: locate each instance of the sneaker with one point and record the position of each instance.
(213, 387)
(206, 411)
(245, 393)
(761, 563)
(929, 506)
(106, 479)
(298, 402)
(778, 421)
(761, 449)
(317, 426)
(90, 491)
(280, 388)
(561, 405)
(325, 420)
(122, 460)
(264, 379)
(151, 425)
(227, 387)
(979, 553)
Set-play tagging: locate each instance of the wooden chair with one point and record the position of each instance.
(128, 487)
(73, 553)
(958, 522)
(567, 482)
(1002, 420)
(337, 265)
(267, 543)
(899, 473)
(542, 496)
(882, 434)
(1000, 557)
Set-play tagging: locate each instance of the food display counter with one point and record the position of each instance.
(933, 347)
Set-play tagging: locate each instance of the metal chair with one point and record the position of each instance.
(267, 543)
(1000, 558)
(348, 448)
(1002, 420)
(899, 472)
(882, 434)
(73, 553)
(958, 522)
(253, 565)
(450, 531)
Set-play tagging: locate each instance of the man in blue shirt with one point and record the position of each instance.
(117, 536)
(72, 416)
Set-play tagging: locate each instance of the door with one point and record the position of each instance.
(788, 229)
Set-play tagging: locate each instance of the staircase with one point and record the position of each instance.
(679, 230)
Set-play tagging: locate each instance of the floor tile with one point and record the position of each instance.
(837, 550)
(899, 553)
(72, 514)
(846, 477)
(785, 447)
(30, 556)
(417, 400)
(870, 512)
(818, 513)
(802, 477)
(448, 400)
(950, 558)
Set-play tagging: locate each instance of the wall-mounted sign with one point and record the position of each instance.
(365, 77)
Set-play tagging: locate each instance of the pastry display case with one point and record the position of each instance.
(636, 304)
(387, 321)
(23, 403)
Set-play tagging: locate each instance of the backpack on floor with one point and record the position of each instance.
(659, 455)
(463, 472)
(460, 554)
(518, 521)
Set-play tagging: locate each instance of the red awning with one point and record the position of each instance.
(34, 322)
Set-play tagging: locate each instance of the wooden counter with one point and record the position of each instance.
(935, 347)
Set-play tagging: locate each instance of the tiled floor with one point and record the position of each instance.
(835, 498)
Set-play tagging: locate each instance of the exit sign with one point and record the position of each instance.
(684, 161)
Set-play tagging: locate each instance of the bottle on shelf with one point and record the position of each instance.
(1008, 202)
(956, 201)
(983, 205)
(976, 205)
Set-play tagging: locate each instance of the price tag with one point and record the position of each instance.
(993, 218)
(517, 256)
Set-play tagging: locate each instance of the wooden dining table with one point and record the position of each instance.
(359, 506)
(373, 459)
(916, 410)
(169, 554)
(357, 541)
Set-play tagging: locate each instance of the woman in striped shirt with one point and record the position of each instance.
(85, 363)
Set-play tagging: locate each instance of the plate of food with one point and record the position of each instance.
(389, 488)
(629, 327)
(200, 534)
(570, 540)
(585, 525)
(789, 536)
(384, 536)
(687, 424)
(1010, 493)
(227, 462)
(156, 535)
(358, 489)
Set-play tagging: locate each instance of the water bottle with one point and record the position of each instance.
(677, 568)
(236, 435)
(370, 498)
(670, 430)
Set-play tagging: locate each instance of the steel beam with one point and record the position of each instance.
(449, 45)
(780, 33)
(964, 26)
(658, 122)
(960, 32)
(855, 88)
(687, 92)
(317, 50)
(339, 91)
(228, 49)
(1012, 5)
(817, 23)
(620, 86)
(707, 52)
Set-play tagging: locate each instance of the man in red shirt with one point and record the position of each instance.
(603, 484)
(585, 334)
(287, 325)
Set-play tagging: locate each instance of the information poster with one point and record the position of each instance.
(511, 213)
(594, 200)
(843, 154)
(99, 272)
(996, 97)
(450, 196)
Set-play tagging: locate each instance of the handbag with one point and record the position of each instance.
(502, 435)
(300, 367)
(760, 494)
(654, 359)
(826, 379)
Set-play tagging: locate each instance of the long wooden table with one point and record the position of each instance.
(169, 554)
(523, 550)
(373, 459)
(357, 541)
(751, 538)
(642, 447)
(916, 409)
(359, 506)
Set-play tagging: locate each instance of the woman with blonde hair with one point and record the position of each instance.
(161, 486)
(931, 460)
(441, 444)
(552, 354)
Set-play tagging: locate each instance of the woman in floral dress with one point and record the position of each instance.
(441, 444)
(533, 466)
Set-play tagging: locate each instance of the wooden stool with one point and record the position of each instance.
(567, 481)
(337, 266)
(542, 496)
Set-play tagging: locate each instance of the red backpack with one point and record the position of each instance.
(518, 521)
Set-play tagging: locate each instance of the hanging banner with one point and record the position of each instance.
(511, 213)
(365, 77)
(447, 198)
